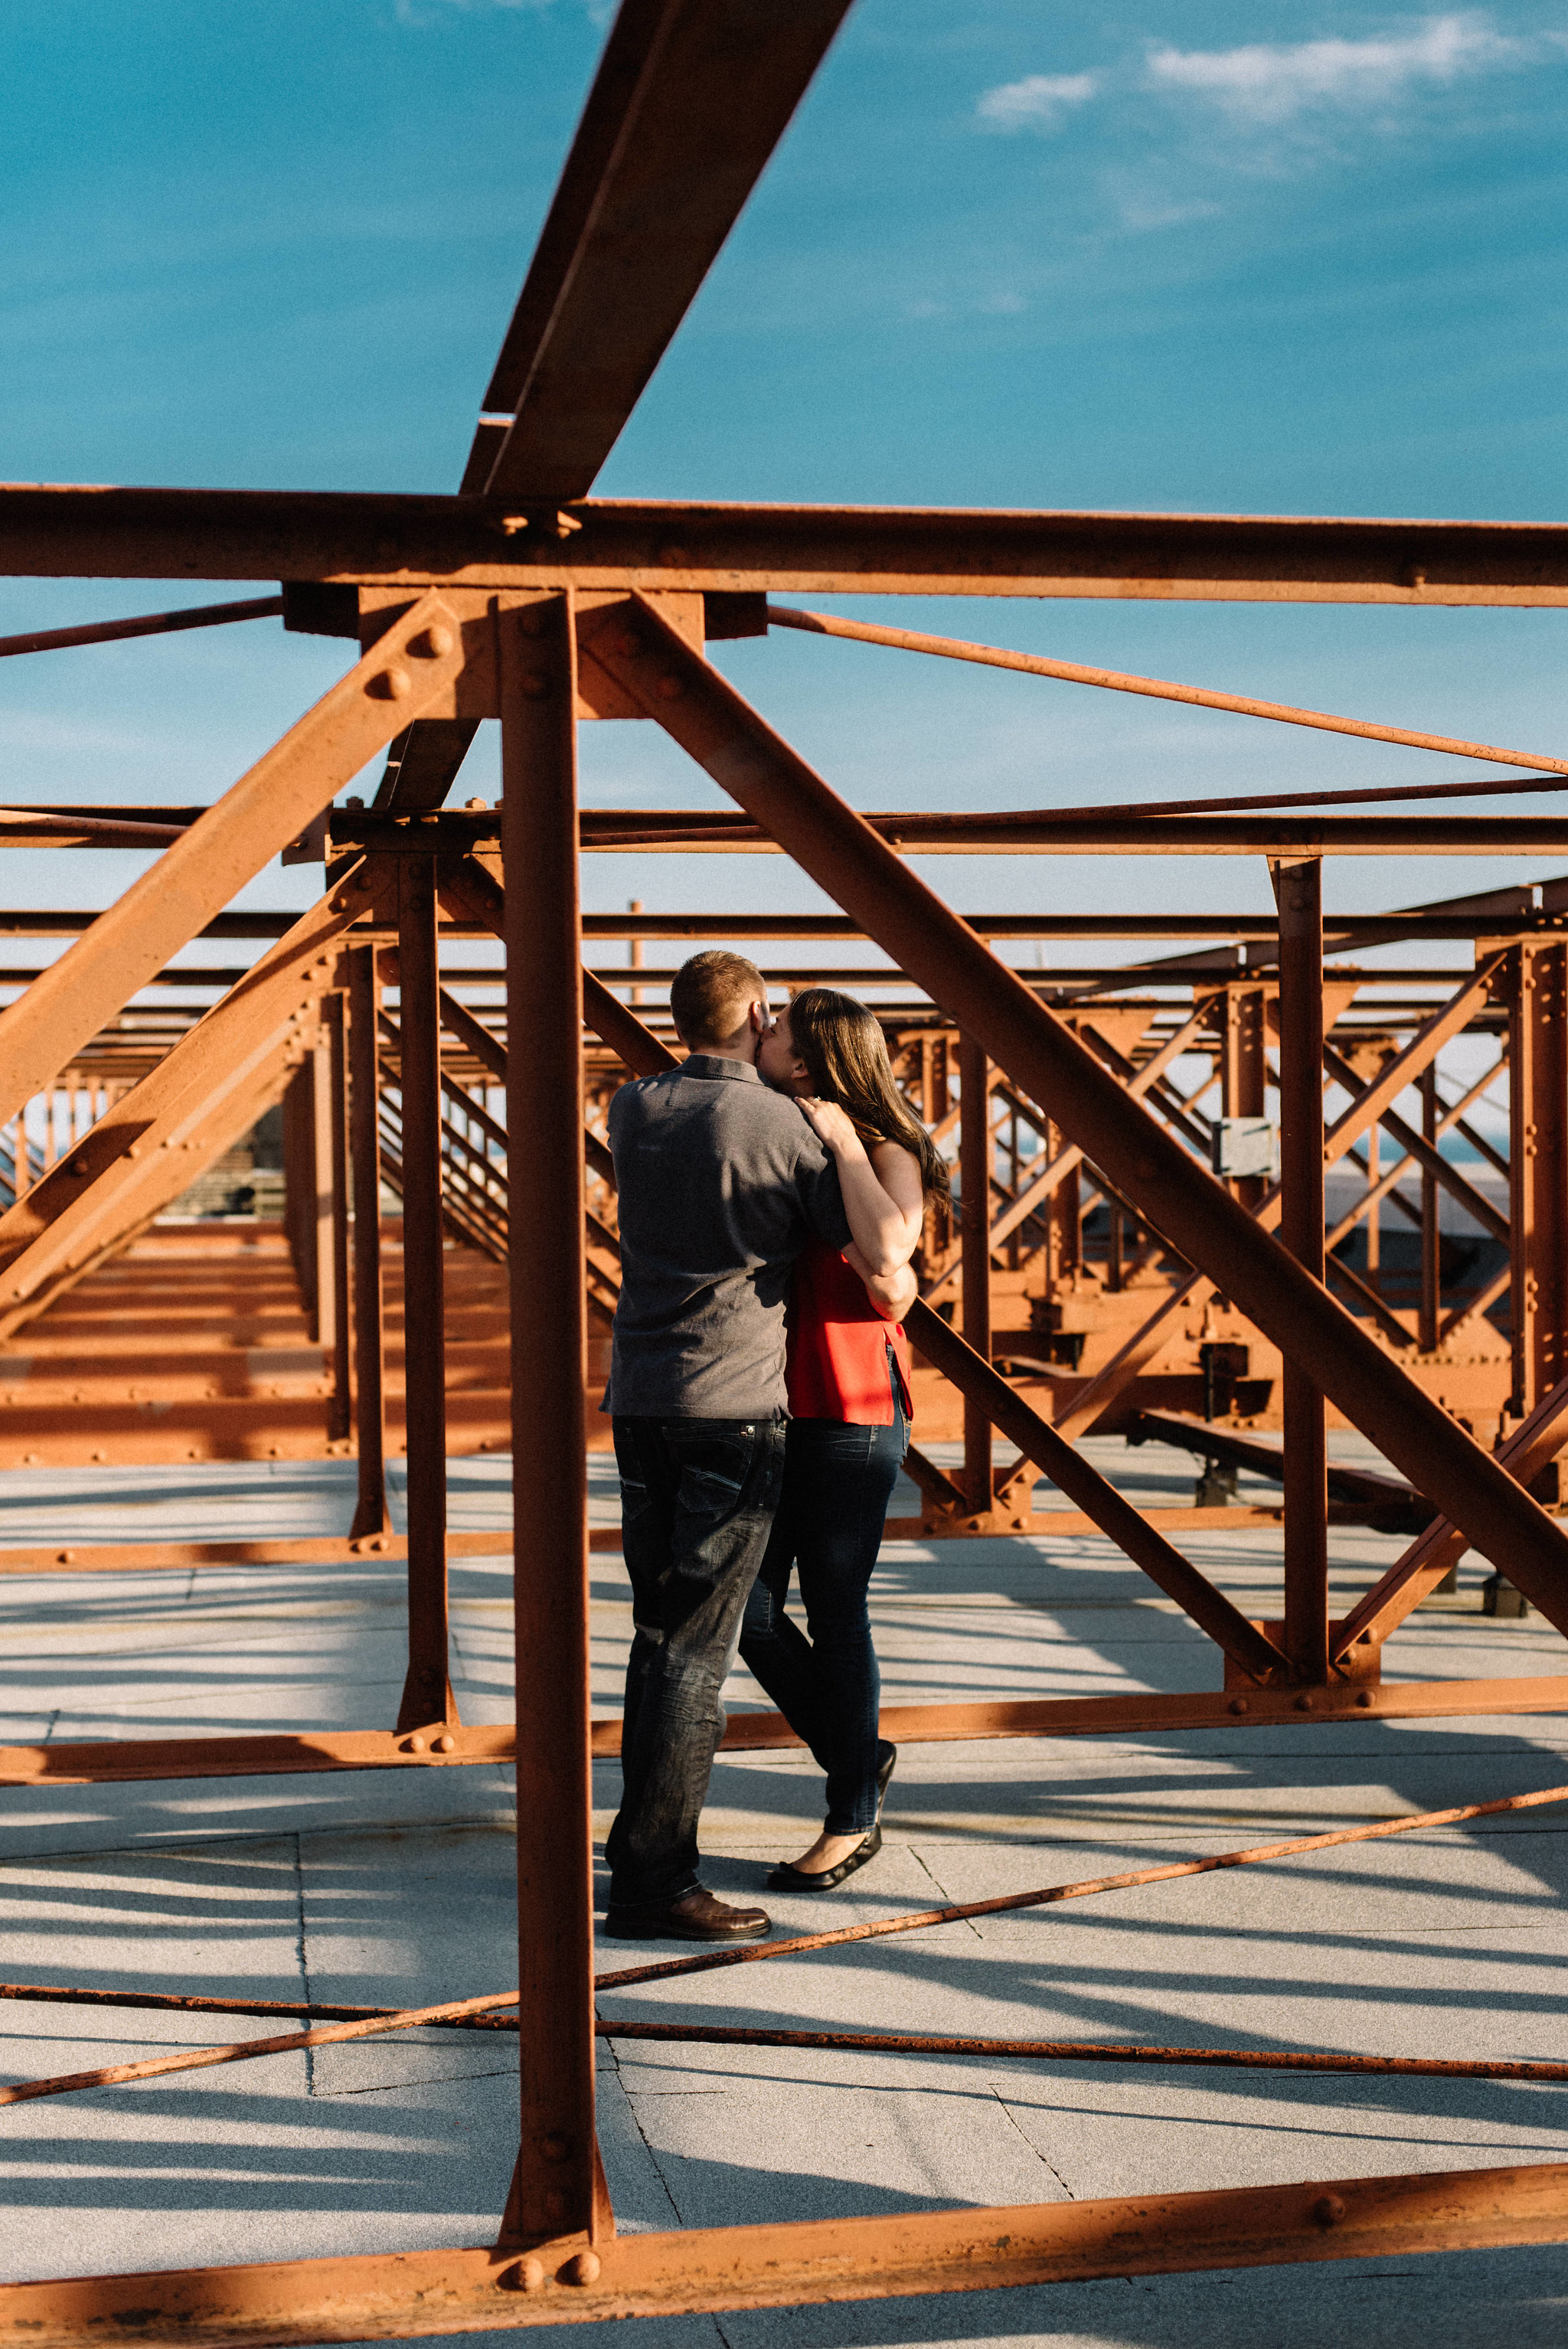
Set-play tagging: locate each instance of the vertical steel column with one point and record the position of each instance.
(1373, 1218)
(1538, 1169)
(1299, 890)
(323, 1303)
(341, 1415)
(1243, 1073)
(370, 1517)
(556, 2188)
(1428, 1315)
(427, 1692)
(299, 1184)
(974, 1183)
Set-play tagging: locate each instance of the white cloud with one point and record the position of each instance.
(1265, 83)
(1038, 102)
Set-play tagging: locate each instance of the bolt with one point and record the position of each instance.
(555, 2148)
(583, 2269)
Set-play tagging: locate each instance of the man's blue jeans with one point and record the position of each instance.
(697, 1500)
(838, 1478)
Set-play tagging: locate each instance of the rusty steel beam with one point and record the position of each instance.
(726, 737)
(1085, 1888)
(1026, 832)
(372, 1519)
(975, 1261)
(554, 2184)
(335, 1012)
(691, 100)
(150, 624)
(1242, 705)
(427, 1688)
(994, 1403)
(140, 1156)
(1298, 892)
(569, 2280)
(417, 661)
(56, 531)
(1439, 1547)
(374, 1546)
(108, 1761)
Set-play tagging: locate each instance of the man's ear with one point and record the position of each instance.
(761, 1019)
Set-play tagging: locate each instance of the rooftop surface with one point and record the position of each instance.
(396, 1889)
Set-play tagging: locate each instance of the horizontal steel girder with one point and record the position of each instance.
(63, 531)
(822, 2260)
(107, 1760)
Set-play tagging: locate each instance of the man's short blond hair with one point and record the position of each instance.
(709, 995)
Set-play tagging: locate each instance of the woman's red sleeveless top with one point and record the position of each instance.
(838, 1365)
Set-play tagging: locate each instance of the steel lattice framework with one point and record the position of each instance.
(522, 598)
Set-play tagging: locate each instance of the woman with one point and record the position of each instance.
(848, 1376)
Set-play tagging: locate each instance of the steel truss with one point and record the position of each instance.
(522, 599)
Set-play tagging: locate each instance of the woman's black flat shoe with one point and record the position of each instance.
(786, 1879)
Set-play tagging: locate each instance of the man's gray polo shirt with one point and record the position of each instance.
(721, 1183)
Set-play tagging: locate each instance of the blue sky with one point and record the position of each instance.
(1214, 257)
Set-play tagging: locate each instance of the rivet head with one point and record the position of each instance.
(555, 2148)
(556, 2203)
(392, 685)
(533, 687)
(524, 2275)
(1240, 1704)
(65, 1557)
(1304, 1703)
(445, 1744)
(628, 646)
(669, 688)
(415, 1745)
(1328, 2209)
(1364, 1697)
(583, 2269)
(79, 1167)
(433, 643)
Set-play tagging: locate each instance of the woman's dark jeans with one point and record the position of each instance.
(838, 1478)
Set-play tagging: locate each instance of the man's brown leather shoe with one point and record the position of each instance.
(696, 1916)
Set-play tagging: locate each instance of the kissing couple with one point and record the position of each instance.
(771, 1190)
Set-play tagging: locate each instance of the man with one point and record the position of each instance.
(720, 1181)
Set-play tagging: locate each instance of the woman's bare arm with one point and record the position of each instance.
(882, 1190)
(892, 1293)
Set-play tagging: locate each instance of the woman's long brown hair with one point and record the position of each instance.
(845, 1054)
